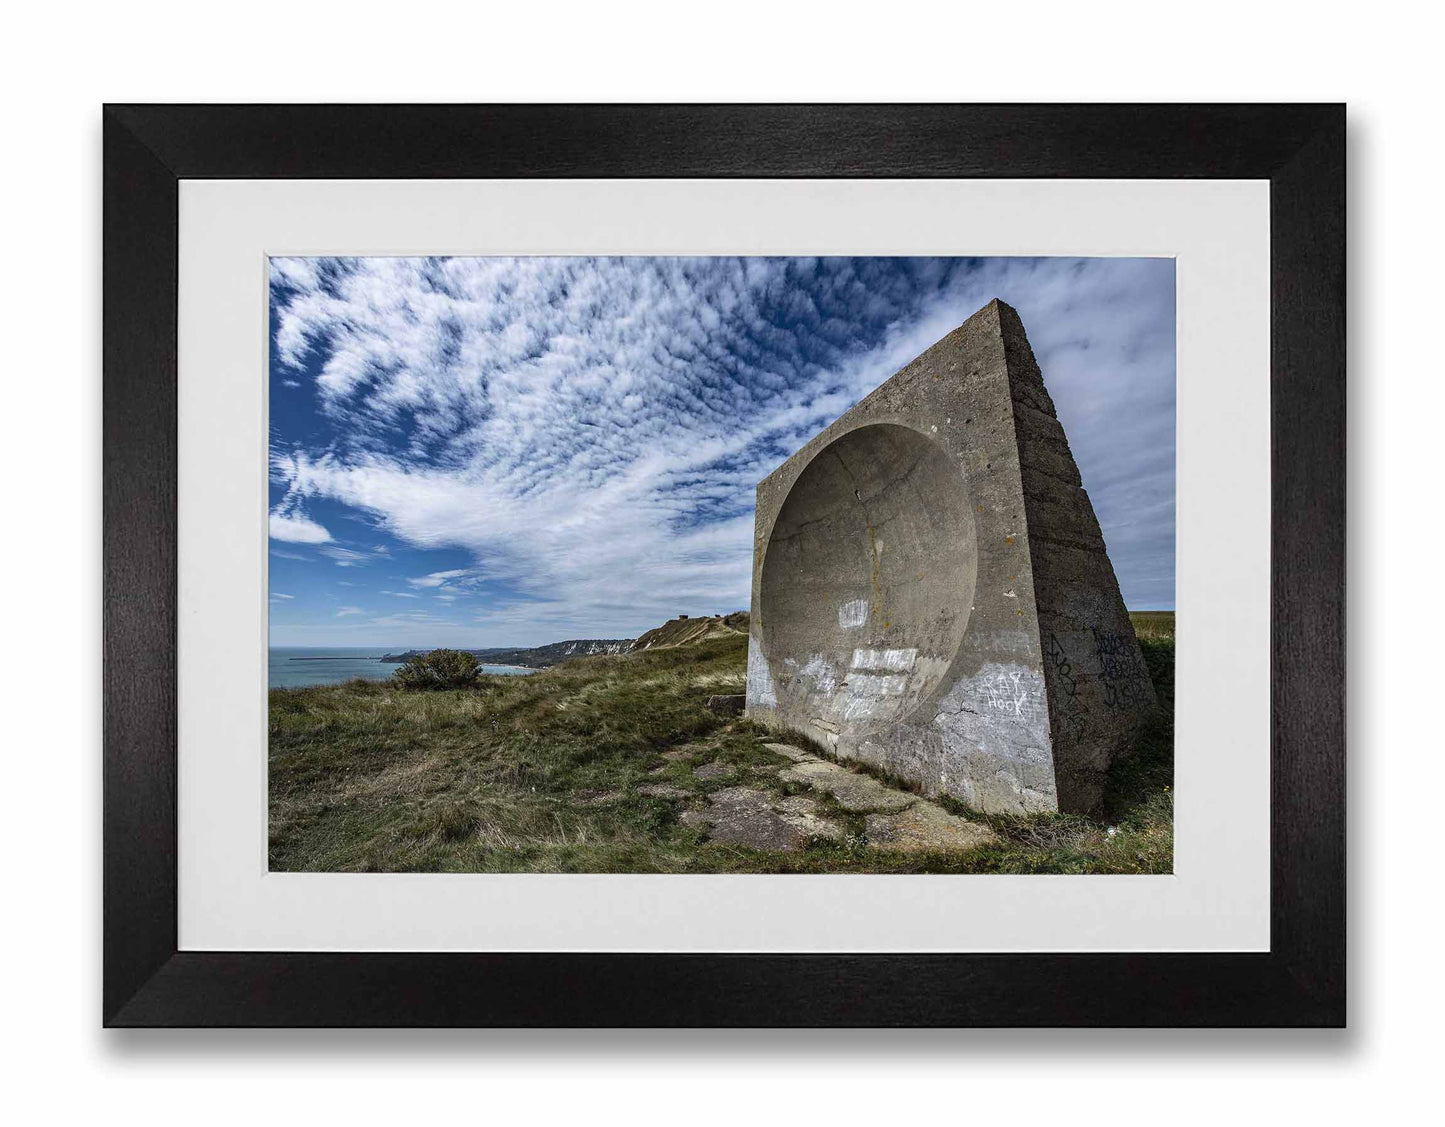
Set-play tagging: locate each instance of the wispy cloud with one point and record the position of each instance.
(414, 618)
(297, 530)
(342, 612)
(439, 578)
(346, 557)
(590, 431)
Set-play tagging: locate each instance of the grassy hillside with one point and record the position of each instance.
(534, 657)
(542, 774)
(691, 631)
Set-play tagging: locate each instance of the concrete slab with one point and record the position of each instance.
(729, 705)
(788, 751)
(853, 792)
(925, 827)
(931, 591)
(747, 817)
(801, 812)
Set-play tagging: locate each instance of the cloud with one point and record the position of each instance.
(591, 431)
(401, 594)
(439, 578)
(413, 618)
(346, 557)
(342, 612)
(279, 595)
(297, 530)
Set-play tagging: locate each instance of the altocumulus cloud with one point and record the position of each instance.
(590, 431)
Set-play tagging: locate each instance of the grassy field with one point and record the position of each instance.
(541, 774)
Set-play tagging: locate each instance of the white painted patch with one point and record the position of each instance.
(760, 679)
(878, 685)
(853, 614)
(869, 688)
(1009, 594)
(824, 675)
(885, 659)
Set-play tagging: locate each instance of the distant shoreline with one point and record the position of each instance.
(334, 657)
(293, 667)
(384, 661)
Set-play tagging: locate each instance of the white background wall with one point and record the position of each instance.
(61, 63)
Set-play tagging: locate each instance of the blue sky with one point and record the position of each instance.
(513, 451)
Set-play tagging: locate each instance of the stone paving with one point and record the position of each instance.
(858, 794)
(796, 754)
(896, 820)
(925, 827)
(744, 816)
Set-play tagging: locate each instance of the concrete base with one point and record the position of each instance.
(931, 591)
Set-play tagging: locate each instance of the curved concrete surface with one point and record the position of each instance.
(868, 579)
(932, 592)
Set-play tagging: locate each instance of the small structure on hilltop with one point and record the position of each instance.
(685, 631)
(931, 591)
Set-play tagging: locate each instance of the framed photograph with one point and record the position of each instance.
(724, 565)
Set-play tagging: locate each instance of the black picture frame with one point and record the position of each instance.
(1299, 149)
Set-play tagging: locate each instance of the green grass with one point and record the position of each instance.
(540, 774)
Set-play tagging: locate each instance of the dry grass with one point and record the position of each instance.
(541, 774)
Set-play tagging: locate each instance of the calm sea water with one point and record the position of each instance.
(294, 666)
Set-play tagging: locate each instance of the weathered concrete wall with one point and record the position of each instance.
(931, 592)
(1099, 688)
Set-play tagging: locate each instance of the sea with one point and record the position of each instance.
(291, 667)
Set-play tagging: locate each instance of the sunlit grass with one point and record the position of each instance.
(541, 774)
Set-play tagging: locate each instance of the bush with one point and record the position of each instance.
(439, 669)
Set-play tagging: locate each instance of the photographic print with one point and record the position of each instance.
(705, 565)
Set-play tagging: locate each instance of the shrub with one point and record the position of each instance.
(439, 669)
